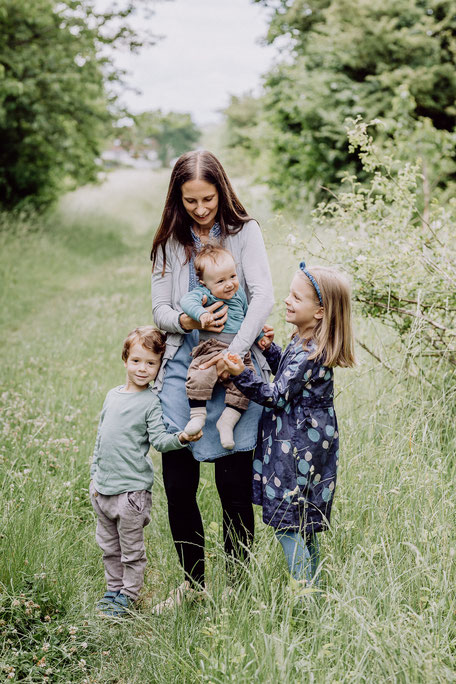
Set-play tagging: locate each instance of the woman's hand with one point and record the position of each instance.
(219, 361)
(219, 312)
(234, 363)
(267, 338)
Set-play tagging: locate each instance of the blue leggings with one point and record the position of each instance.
(302, 554)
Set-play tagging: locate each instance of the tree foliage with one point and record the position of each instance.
(55, 102)
(402, 262)
(170, 135)
(388, 59)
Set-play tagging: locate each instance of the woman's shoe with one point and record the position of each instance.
(184, 592)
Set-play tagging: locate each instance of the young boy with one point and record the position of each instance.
(216, 271)
(122, 472)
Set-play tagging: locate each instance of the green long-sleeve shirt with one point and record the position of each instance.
(130, 423)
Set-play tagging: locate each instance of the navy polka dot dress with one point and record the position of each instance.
(296, 458)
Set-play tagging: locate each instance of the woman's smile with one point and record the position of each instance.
(201, 201)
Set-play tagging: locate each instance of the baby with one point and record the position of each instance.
(122, 472)
(216, 270)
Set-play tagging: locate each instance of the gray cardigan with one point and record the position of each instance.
(249, 253)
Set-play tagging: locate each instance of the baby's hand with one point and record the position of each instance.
(184, 438)
(267, 338)
(234, 362)
(206, 319)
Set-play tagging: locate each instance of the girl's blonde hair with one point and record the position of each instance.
(333, 333)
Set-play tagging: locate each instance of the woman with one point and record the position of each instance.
(201, 205)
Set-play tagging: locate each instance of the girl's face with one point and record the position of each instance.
(201, 201)
(303, 307)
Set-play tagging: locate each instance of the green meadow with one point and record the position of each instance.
(73, 285)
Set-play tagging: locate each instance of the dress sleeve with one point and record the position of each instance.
(165, 316)
(255, 266)
(279, 392)
(272, 356)
(158, 437)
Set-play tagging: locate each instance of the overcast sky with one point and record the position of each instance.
(210, 49)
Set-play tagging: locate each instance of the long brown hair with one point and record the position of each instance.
(333, 334)
(231, 215)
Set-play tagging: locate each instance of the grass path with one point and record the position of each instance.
(71, 291)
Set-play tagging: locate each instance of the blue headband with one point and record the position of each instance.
(303, 268)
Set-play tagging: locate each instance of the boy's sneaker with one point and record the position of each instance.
(106, 600)
(121, 606)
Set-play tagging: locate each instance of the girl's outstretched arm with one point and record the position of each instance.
(272, 356)
(276, 394)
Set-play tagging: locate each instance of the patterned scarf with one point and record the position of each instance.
(214, 233)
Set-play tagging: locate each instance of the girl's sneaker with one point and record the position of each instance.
(106, 600)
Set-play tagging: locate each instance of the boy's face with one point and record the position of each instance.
(142, 367)
(221, 277)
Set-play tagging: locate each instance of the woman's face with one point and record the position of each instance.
(200, 200)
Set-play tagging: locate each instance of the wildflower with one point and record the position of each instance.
(16, 603)
(84, 644)
(46, 646)
(47, 618)
(72, 630)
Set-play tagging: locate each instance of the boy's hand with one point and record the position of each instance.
(267, 338)
(206, 319)
(234, 363)
(185, 439)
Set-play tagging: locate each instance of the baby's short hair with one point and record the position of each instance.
(209, 252)
(148, 337)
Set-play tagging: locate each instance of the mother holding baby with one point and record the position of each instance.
(202, 206)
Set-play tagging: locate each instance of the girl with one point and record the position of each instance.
(298, 450)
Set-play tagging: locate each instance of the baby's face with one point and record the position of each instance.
(221, 277)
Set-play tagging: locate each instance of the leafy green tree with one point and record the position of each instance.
(402, 262)
(55, 102)
(388, 59)
(243, 118)
(173, 133)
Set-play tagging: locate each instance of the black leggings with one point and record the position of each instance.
(233, 478)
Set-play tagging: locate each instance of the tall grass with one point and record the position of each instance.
(386, 611)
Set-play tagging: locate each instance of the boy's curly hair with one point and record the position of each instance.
(147, 336)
